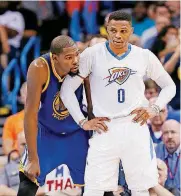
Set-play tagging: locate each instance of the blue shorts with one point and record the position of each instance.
(54, 150)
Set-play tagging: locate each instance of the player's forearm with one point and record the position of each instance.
(168, 90)
(30, 128)
(67, 94)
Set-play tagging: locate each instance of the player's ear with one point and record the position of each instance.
(106, 27)
(54, 57)
(132, 30)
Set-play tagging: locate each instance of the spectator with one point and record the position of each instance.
(162, 19)
(169, 152)
(149, 36)
(123, 188)
(172, 66)
(162, 171)
(174, 191)
(135, 40)
(97, 39)
(87, 11)
(43, 9)
(151, 10)
(156, 123)
(162, 9)
(151, 89)
(174, 7)
(102, 29)
(13, 126)
(9, 176)
(166, 41)
(140, 20)
(11, 28)
(30, 18)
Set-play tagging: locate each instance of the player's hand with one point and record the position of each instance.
(32, 170)
(143, 114)
(96, 124)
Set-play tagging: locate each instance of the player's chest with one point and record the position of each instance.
(114, 68)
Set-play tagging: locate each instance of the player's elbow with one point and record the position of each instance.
(173, 89)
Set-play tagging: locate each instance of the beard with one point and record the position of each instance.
(72, 74)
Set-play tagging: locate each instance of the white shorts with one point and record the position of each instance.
(129, 142)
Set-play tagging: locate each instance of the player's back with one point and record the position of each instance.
(52, 113)
(117, 85)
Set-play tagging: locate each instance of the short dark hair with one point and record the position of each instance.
(149, 83)
(164, 31)
(120, 15)
(59, 43)
(161, 4)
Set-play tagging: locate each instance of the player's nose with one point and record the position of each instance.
(118, 35)
(76, 60)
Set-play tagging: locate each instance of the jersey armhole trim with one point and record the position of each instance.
(81, 77)
(48, 79)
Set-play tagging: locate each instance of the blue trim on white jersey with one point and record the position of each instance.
(151, 148)
(116, 56)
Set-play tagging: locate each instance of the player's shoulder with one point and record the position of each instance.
(138, 50)
(39, 64)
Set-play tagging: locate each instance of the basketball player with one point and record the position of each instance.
(53, 137)
(116, 70)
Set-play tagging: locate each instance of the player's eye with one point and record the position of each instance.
(123, 31)
(113, 30)
(68, 58)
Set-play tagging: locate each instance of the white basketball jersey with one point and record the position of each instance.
(117, 85)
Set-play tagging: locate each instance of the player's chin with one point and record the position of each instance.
(118, 45)
(74, 73)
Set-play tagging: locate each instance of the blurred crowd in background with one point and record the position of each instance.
(156, 27)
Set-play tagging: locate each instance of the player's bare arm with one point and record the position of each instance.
(36, 79)
(89, 99)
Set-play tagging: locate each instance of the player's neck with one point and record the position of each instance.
(118, 51)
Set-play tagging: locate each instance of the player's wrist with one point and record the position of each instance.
(33, 156)
(156, 109)
(82, 122)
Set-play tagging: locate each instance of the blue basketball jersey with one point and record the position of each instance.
(52, 113)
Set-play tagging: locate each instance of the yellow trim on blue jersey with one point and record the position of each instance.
(54, 70)
(48, 79)
(79, 185)
(63, 114)
(179, 73)
(21, 169)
